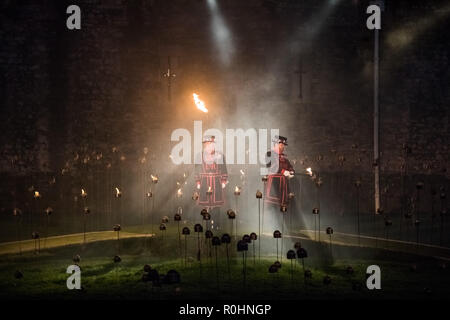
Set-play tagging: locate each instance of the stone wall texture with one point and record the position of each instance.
(67, 95)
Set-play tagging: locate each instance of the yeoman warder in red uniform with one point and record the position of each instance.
(280, 171)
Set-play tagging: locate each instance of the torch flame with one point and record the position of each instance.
(179, 193)
(199, 103)
(209, 189)
(309, 170)
(154, 178)
(83, 193)
(37, 194)
(118, 193)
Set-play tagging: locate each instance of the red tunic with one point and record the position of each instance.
(210, 175)
(277, 188)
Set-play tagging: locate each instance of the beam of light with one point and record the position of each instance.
(221, 34)
(199, 103)
(317, 21)
(406, 35)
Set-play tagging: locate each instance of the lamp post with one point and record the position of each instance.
(186, 231)
(283, 210)
(118, 195)
(231, 216)
(48, 213)
(154, 181)
(226, 239)
(376, 113)
(264, 180)
(36, 197)
(330, 232)
(259, 197)
(237, 193)
(177, 218)
(200, 104)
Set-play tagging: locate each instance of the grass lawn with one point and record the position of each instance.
(403, 275)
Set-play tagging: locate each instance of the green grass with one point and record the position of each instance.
(45, 274)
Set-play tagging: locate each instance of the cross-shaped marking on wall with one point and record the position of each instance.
(170, 76)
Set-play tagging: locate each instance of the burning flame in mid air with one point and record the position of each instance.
(199, 103)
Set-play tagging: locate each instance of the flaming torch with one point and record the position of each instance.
(200, 104)
(259, 197)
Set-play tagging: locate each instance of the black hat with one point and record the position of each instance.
(280, 139)
(209, 139)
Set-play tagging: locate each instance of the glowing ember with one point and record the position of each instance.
(199, 103)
